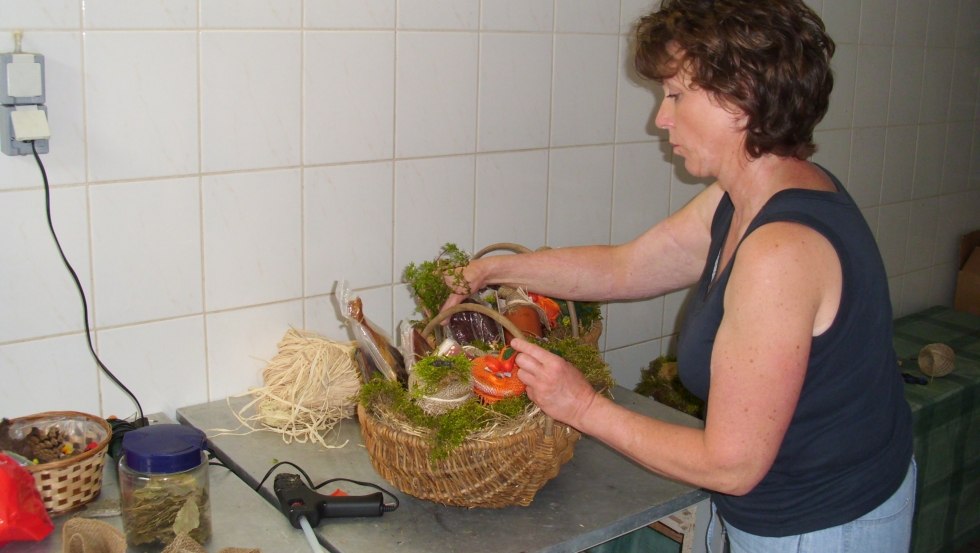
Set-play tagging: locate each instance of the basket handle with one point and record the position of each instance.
(517, 248)
(459, 308)
(507, 246)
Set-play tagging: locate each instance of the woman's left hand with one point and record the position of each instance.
(554, 384)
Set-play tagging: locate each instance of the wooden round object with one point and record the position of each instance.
(936, 360)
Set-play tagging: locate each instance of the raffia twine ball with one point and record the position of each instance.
(936, 360)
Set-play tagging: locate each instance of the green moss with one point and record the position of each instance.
(449, 429)
(432, 371)
(585, 357)
(427, 279)
(659, 381)
(587, 312)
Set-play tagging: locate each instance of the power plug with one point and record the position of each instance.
(18, 125)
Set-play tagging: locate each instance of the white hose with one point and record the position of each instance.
(310, 536)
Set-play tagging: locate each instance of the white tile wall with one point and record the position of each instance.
(587, 16)
(433, 205)
(633, 322)
(870, 97)
(627, 363)
(219, 167)
(51, 374)
(140, 14)
(144, 358)
(146, 250)
(241, 342)
(251, 14)
(580, 196)
(38, 295)
(906, 85)
(899, 164)
(521, 180)
(911, 18)
(641, 189)
(518, 15)
(253, 238)
(145, 125)
(348, 81)
(515, 91)
(347, 213)
(435, 101)
(583, 104)
(936, 85)
(877, 22)
(349, 14)
(439, 14)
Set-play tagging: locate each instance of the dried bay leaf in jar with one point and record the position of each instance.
(163, 483)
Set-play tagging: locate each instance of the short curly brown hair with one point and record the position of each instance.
(769, 59)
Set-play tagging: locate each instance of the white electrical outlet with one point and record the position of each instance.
(21, 79)
(23, 116)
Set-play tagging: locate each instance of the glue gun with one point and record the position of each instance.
(297, 501)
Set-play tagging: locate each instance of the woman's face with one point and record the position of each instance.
(707, 135)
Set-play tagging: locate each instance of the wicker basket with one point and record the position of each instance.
(491, 472)
(500, 472)
(74, 481)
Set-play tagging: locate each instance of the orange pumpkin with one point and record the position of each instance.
(495, 377)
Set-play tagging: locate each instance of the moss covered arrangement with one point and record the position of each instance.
(450, 429)
(660, 382)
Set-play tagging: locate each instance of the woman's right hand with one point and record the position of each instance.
(463, 282)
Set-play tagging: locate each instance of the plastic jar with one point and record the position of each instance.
(163, 484)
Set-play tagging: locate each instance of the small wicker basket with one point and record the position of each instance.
(495, 471)
(74, 481)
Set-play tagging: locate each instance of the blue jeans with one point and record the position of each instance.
(886, 529)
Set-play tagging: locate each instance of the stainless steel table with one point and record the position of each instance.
(597, 496)
(239, 516)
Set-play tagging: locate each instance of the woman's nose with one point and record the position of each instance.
(665, 117)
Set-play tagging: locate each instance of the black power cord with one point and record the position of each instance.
(140, 421)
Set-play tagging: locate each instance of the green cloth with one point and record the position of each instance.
(644, 540)
(946, 415)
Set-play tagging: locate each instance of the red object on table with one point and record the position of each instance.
(22, 513)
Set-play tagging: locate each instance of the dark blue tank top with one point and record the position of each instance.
(849, 443)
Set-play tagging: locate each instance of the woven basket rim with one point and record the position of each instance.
(403, 459)
(366, 416)
(61, 463)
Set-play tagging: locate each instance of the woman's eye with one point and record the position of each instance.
(673, 96)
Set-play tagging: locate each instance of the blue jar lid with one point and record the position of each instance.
(163, 448)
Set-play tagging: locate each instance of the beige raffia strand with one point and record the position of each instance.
(310, 385)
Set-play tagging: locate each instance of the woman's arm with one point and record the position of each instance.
(785, 279)
(669, 256)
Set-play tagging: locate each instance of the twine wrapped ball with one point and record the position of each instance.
(936, 360)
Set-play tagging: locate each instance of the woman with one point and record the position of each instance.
(807, 442)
